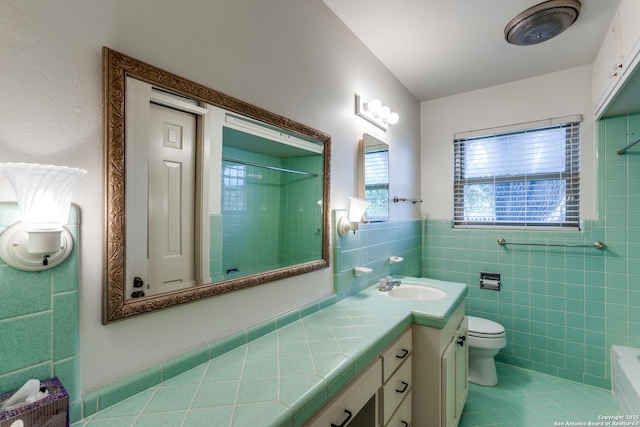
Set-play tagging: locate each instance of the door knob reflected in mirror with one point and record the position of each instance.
(137, 282)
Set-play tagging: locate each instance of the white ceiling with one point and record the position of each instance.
(438, 48)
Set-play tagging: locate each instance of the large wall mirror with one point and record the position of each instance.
(374, 178)
(204, 193)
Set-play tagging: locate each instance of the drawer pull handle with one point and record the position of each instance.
(344, 423)
(404, 389)
(405, 424)
(404, 354)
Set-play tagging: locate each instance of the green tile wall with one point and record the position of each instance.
(371, 246)
(301, 214)
(551, 299)
(619, 208)
(261, 222)
(562, 308)
(251, 212)
(39, 320)
(215, 248)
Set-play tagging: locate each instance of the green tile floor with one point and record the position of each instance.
(526, 398)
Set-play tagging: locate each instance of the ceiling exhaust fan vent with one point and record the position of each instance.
(542, 22)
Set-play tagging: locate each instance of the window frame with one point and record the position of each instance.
(381, 186)
(571, 175)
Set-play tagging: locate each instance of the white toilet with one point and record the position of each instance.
(485, 339)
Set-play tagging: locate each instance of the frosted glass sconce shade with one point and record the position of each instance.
(44, 192)
(357, 208)
(44, 196)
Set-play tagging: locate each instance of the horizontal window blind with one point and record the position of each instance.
(377, 184)
(521, 178)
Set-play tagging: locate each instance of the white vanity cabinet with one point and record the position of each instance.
(379, 396)
(440, 372)
(356, 405)
(397, 373)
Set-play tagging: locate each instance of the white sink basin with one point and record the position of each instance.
(417, 292)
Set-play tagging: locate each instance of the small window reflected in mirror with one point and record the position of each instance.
(375, 178)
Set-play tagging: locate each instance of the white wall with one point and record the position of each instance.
(292, 57)
(558, 94)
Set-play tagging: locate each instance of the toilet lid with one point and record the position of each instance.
(484, 327)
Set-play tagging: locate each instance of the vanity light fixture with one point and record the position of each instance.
(378, 114)
(356, 212)
(39, 242)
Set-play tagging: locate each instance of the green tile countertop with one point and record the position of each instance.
(281, 378)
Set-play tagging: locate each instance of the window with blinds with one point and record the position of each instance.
(518, 178)
(376, 188)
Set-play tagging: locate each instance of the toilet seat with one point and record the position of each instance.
(484, 328)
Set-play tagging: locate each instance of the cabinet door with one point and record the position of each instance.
(629, 31)
(462, 368)
(448, 366)
(454, 370)
(606, 71)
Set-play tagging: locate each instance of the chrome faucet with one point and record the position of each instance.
(387, 284)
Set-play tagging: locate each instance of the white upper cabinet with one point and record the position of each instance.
(629, 32)
(617, 60)
(607, 67)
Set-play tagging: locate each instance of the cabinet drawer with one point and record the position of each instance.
(402, 417)
(398, 386)
(395, 354)
(353, 397)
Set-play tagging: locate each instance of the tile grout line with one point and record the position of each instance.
(204, 374)
(235, 402)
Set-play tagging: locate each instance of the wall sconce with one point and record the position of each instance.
(356, 212)
(378, 114)
(39, 241)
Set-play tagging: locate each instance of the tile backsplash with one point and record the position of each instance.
(39, 320)
(371, 246)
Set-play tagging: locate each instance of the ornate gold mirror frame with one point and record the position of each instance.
(116, 68)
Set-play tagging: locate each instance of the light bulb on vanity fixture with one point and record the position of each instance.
(384, 112)
(378, 114)
(357, 207)
(43, 192)
(372, 106)
(393, 118)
